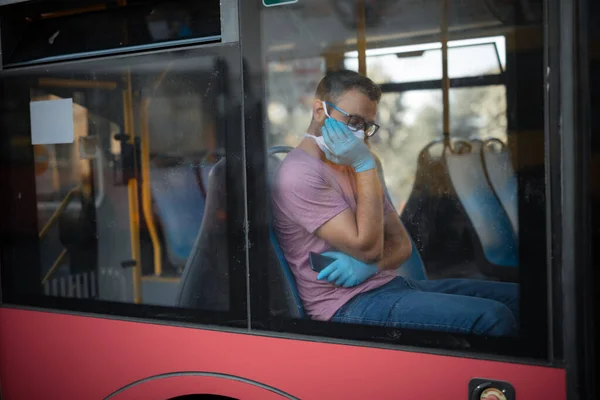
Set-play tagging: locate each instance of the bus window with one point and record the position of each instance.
(409, 121)
(422, 62)
(449, 100)
(135, 215)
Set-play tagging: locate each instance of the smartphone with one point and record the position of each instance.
(318, 262)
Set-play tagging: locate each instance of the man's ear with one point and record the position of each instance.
(318, 111)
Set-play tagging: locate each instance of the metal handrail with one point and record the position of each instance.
(55, 266)
(63, 204)
(445, 78)
(146, 191)
(132, 192)
(145, 165)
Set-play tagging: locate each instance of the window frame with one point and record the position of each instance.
(13, 256)
(14, 14)
(526, 348)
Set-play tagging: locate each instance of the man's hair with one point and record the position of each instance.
(335, 83)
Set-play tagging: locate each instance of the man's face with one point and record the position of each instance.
(352, 102)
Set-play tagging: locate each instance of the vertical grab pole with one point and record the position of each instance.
(132, 191)
(445, 78)
(146, 192)
(145, 164)
(361, 37)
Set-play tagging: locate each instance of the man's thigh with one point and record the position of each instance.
(402, 306)
(504, 292)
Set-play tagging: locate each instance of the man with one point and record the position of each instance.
(327, 198)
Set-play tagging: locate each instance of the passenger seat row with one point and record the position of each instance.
(472, 179)
(463, 210)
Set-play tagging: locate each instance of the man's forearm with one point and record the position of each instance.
(369, 214)
(395, 253)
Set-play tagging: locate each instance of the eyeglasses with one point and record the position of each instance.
(356, 122)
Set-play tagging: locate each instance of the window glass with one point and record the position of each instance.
(409, 121)
(414, 63)
(58, 30)
(457, 189)
(291, 87)
(135, 207)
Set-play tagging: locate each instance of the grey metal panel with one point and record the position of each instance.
(0, 46)
(162, 293)
(7, 2)
(84, 285)
(110, 52)
(70, 287)
(92, 284)
(229, 21)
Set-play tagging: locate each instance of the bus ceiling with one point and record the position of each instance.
(338, 28)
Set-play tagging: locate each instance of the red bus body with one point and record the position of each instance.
(118, 330)
(229, 364)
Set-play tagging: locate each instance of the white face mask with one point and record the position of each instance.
(320, 141)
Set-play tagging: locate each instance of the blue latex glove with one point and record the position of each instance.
(346, 271)
(344, 148)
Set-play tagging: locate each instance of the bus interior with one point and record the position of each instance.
(135, 208)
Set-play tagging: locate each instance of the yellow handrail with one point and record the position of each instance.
(55, 266)
(361, 37)
(145, 164)
(63, 204)
(132, 191)
(134, 229)
(445, 78)
(146, 193)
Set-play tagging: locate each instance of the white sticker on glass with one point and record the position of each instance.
(52, 121)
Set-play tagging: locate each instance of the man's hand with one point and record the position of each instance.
(345, 148)
(346, 271)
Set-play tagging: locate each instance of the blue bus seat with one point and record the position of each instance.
(454, 217)
(204, 283)
(501, 177)
(498, 244)
(179, 205)
(290, 296)
(205, 169)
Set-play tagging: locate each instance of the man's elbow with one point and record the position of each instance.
(371, 252)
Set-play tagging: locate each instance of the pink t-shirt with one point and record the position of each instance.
(308, 192)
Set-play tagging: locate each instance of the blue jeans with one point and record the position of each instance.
(449, 305)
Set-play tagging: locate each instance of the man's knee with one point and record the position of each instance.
(497, 320)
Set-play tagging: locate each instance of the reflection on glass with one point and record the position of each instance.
(479, 112)
(142, 186)
(290, 92)
(409, 121)
(413, 63)
(43, 33)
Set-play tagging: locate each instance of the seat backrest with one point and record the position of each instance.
(420, 213)
(284, 297)
(502, 178)
(205, 280)
(180, 208)
(487, 216)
